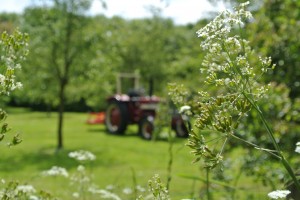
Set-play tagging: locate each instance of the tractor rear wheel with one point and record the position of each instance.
(116, 118)
(146, 128)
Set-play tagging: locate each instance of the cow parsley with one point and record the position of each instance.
(56, 171)
(232, 66)
(82, 155)
(279, 194)
(297, 150)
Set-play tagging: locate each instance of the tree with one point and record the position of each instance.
(276, 34)
(59, 46)
(8, 21)
(148, 46)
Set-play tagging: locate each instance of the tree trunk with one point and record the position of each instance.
(61, 110)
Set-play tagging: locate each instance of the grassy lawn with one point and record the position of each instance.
(121, 160)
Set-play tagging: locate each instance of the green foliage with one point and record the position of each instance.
(231, 65)
(63, 49)
(13, 50)
(275, 33)
(14, 190)
(282, 114)
(164, 51)
(157, 188)
(101, 48)
(55, 51)
(8, 22)
(98, 47)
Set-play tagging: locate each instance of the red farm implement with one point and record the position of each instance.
(134, 108)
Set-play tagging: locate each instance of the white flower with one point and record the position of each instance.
(105, 194)
(17, 85)
(81, 168)
(56, 171)
(278, 194)
(110, 187)
(82, 155)
(18, 66)
(140, 188)
(297, 150)
(32, 197)
(75, 195)
(28, 189)
(127, 190)
(245, 3)
(2, 79)
(184, 109)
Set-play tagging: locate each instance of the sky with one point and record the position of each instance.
(181, 11)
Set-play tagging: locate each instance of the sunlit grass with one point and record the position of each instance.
(118, 157)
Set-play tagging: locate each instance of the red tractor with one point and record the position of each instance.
(136, 108)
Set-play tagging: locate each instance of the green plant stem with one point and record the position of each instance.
(207, 184)
(134, 183)
(276, 146)
(256, 146)
(223, 146)
(212, 181)
(237, 178)
(170, 162)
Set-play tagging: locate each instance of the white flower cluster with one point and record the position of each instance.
(27, 189)
(81, 168)
(184, 109)
(20, 192)
(279, 194)
(221, 26)
(56, 171)
(13, 48)
(230, 61)
(82, 155)
(157, 188)
(297, 150)
(82, 177)
(105, 194)
(9, 83)
(129, 190)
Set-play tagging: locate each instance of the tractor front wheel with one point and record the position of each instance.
(181, 125)
(116, 118)
(146, 128)
(181, 129)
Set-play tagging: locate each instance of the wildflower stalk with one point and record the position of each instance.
(134, 183)
(272, 152)
(283, 160)
(170, 162)
(207, 184)
(235, 183)
(231, 65)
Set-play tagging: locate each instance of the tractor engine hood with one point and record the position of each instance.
(141, 99)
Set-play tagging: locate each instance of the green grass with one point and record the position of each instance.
(117, 156)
